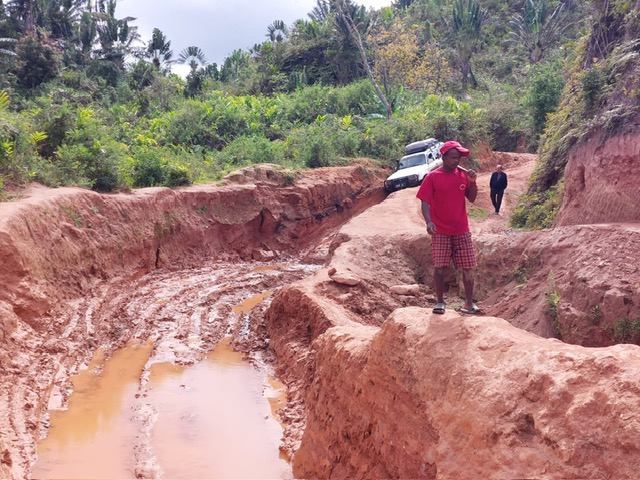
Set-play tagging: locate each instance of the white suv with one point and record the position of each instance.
(420, 158)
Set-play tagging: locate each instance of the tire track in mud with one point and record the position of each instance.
(184, 313)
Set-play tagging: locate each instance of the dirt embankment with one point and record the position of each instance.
(390, 392)
(82, 271)
(378, 387)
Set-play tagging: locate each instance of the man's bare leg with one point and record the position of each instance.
(468, 281)
(438, 282)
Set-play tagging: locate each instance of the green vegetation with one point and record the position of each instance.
(475, 212)
(521, 274)
(595, 314)
(626, 331)
(601, 93)
(85, 101)
(552, 303)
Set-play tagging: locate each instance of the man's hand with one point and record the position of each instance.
(472, 175)
(431, 228)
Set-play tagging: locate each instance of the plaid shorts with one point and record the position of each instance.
(458, 248)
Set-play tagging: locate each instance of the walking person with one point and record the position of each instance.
(443, 194)
(497, 185)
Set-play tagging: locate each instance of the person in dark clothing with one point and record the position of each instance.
(498, 185)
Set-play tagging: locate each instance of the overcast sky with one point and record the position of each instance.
(216, 26)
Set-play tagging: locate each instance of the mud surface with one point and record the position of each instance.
(183, 314)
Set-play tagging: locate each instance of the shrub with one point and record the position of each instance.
(505, 126)
(147, 170)
(248, 150)
(91, 156)
(592, 83)
(544, 94)
(540, 210)
(626, 331)
(311, 147)
(380, 141)
(553, 301)
(37, 61)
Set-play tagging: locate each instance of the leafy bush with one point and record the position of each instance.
(538, 211)
(90, 155)
(248, 150)
(505, 126)
(37, 61)
(626, 331)
(544, 93)
(312, 147)
(552, 304)
(380, 141)
(592, 83)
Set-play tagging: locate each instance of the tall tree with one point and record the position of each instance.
(233, 66)
(466, 24)
(159, 50)
(321, 11)
(345, 16)
(277, 31)
(400, 62)
(192, 56)
(116, 36)
(538, 27)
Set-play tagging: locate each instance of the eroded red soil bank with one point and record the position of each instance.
(82, 271)
(390, 392)
(378, 387)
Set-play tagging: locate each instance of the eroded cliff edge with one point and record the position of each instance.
(385, 392)
(73, 263)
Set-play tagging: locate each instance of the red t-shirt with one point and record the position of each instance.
(445, 194)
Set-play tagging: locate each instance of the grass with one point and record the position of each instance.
(475, 212)
(626, 331)
(553, 301)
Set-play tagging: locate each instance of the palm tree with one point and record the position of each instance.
(87, 33)
(399, 4)
(159, 50)
(233, 66)
(116, 36)
(321, 11)
(193, 56)
(538, 27)
(467, 21)
(277, 31)
(26, 11)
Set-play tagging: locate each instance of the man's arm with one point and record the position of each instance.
(472, 190)
(426, 213)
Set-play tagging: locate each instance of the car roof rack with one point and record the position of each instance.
(420, 146)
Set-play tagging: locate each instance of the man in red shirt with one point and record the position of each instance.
(443, 193)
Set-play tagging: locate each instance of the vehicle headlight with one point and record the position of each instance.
(413, 178)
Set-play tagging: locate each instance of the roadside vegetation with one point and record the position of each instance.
(85, 101)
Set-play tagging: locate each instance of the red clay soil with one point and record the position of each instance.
(82, 271)
(383, 391)
(377, 386)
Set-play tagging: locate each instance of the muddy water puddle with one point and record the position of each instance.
(214, 419)
(93, 437)
(139, 414)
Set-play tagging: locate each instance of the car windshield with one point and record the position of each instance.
(412, 160)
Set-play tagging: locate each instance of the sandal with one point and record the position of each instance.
(474, 310)
(439, 308)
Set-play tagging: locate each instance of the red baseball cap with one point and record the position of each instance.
(446, 146)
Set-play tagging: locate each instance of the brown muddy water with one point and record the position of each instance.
(215, 418)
